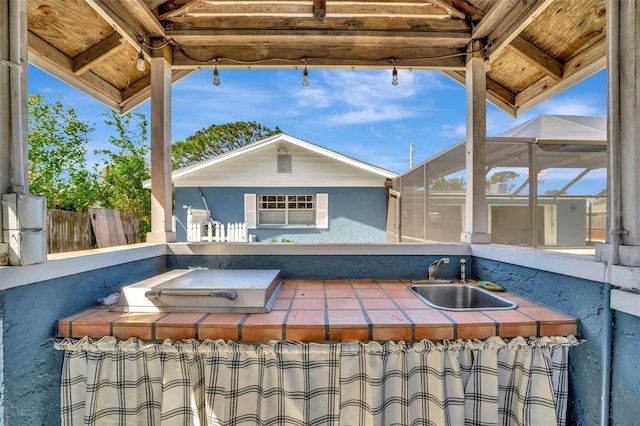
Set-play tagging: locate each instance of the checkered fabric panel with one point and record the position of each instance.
(489, 382)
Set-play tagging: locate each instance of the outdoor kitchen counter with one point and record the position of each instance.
(328, 310)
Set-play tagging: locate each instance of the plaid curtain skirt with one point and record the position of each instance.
(491, 382)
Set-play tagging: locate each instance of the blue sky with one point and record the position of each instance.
(355, 112)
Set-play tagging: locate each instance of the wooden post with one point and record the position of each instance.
(161, 202)
(476, 203)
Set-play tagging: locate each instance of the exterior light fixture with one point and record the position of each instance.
(394, 74)
(216, 75)
(140, 65)
(305, 74)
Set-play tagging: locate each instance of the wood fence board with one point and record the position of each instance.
(107, 227)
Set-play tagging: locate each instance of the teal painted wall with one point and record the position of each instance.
(31, 367)
(355, 214)
(29, 315)
(582, 300)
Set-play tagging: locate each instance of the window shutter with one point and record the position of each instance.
(322, 211)
(250, 210)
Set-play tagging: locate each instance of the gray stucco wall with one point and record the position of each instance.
(29, 315)
(583, 300)
(355, 214)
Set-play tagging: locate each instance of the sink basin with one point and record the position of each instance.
(431, 281)
(458, 297)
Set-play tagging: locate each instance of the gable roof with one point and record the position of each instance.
(185, 173)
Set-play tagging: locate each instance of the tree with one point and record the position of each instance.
(451, 184)
(58, 166)
(506, 176)
(126, 167)
(217, 139)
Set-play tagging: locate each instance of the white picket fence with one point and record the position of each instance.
(218, 233)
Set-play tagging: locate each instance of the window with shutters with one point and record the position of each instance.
(291, 211)
(286, 209)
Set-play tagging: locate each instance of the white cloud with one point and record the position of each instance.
(458, 130)
(583, 105)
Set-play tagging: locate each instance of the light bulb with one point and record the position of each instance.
(305, 76)
(140, 63)
(394, 76)
(216, 76)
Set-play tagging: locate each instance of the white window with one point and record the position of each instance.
(292, 210)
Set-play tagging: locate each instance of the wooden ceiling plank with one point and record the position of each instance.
(147, 19)
(173, 8)
(498, 12)
(449, 8)
(511, 26)
(96, 53)
(536, 57)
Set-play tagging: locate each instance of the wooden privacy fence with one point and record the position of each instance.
(73, 231)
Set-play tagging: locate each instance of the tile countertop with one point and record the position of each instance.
(328, 310)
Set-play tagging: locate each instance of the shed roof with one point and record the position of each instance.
(535, 48)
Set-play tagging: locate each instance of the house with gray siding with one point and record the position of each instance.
(287, 189)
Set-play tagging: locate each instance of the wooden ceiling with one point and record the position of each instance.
(534, 48)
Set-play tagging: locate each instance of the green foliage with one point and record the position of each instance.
(451, 184)
(126, 166)
(506, 176)
(217, 139)
(58, 166)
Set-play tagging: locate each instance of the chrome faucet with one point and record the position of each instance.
(435, 266)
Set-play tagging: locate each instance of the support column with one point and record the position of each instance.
(476, 200)
(161, 200)
(13, 98)
(623, 201)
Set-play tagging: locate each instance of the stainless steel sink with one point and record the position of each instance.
(460, 297)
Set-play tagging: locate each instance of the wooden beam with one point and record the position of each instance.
(336, 23)
(173, 8)
(275, 55)
(96, 53)
(449, 8)
(579, 62)
(56, 63)
(114, 13)
(140, 91)
(497, 95)
(536, 57)
(519, 17)
(574, 70)
(139, 10)
(241, 37)
(319, 9)
(498, 12)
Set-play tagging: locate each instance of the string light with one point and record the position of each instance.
(216, 75)
(140, 65)
(305, 74)
(394, 74)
